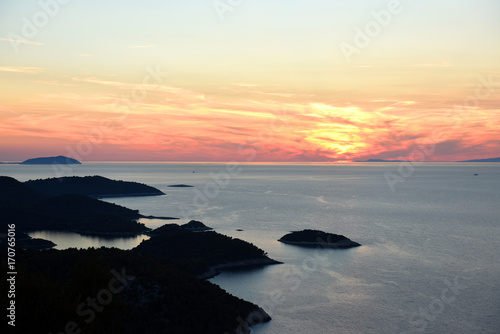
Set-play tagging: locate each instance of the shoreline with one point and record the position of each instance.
(93, 233)
(125, 195)
(215, 269)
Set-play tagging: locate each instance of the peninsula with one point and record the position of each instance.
(32, 210)
(202, 254)
(93, 186)
(24, 241)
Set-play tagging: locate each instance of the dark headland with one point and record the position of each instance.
(33, 210)
(202, 253)
(59, 160)
(93, 186)
(24, 241)
(313, 238)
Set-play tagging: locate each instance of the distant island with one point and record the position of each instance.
(378, 160)
(483, 160)
(93, 186)
(180, 186)
(60, 160)
(312, 238)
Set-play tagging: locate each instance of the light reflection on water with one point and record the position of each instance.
(64, 240)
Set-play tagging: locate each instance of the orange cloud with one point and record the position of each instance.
(168, 122)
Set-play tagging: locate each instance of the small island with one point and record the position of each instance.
(314, 238)
(180, 186)
(59, 160)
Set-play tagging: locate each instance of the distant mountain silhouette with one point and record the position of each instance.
(483, 160)
(60, 160)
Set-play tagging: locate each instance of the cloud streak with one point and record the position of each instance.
(21, 69)
(20, 41)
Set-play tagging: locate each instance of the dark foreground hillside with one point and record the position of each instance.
(114, 291)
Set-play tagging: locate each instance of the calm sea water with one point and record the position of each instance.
(428, 264)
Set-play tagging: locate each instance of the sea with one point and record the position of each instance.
(430, 235)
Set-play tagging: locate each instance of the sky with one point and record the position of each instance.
(250, 81)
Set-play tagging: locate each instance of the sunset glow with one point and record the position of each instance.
(158, 81)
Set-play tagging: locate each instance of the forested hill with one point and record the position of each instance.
(94, 186)
(203, 253)
(31, 210)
